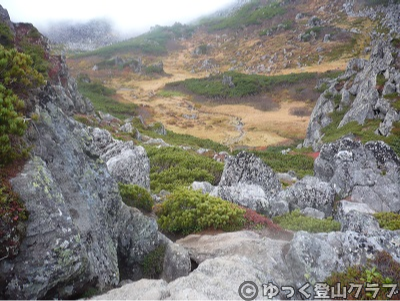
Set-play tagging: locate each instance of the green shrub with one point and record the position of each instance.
(136, 196)
(6, 36)
(154, 69)
(388, 220)
(188, 211)
(296, 221)
(17, 76)
(153, 263)
(38, 55)
(171, 168)
(383, 269)
(380, 80)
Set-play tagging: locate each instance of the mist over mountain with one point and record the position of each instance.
(82, 36)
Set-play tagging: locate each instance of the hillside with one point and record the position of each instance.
(267, 38)
(183, 165)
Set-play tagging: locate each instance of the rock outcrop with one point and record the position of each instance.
(360, 94)
(310, 192)
(367, 173)
(248, 169)
(79, 233)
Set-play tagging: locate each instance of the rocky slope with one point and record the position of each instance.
(80, 234)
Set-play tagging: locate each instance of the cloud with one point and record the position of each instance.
(128, 16)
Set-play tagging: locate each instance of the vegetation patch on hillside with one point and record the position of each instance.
(244, 84)
(251, 89)
(388, 220)
(365, 132)
(102, 98)
(251, 13)
(298, 162)
(296, 221)
(180, 139)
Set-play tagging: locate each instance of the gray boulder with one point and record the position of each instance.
(318, 120)
(246, 195)
(318, 255)
(314, 213)
(205, 187)
(246, 168)
(360, 222)
(314, 21)
(226, 260)
(366, 173)
(176, 262)
(131, 166)
(144, 289)
(157, 141)
(127, 128)
(309, 192)
(360, 81)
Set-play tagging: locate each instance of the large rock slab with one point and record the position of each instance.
(246, 195)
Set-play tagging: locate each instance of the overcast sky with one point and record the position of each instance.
(129, 16)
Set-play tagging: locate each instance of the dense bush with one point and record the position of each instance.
(296, 221)
(171, 168)
(187, 211)
(153, 263)
(17, 76)
(388, 220)
(6, 36)
(381, 270)
(136, 196)
(158, 69)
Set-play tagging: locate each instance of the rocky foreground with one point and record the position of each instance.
(80, 234)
